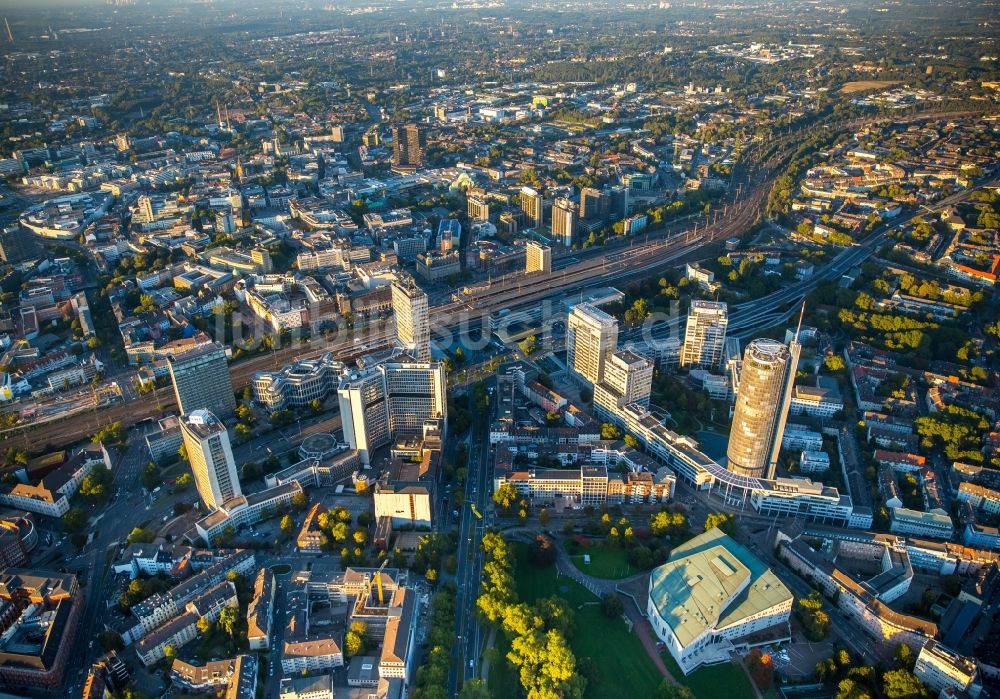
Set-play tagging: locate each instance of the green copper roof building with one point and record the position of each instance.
(709, 595)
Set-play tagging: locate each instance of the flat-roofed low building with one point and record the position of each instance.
(937, 525)
(942, 669)
(318, 687)
(363, 671)
(246, 509)
(814, 461)
(710, 597)
(815, 401)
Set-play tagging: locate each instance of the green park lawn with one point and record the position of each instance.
(606, 562)
(623, 668)
(726, 681)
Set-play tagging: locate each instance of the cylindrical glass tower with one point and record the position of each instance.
(758, 419)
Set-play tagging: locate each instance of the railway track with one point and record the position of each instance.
(613, 263)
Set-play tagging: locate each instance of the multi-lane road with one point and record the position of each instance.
(474, 519)
(747, 318)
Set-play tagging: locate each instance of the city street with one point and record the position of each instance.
(468, 630)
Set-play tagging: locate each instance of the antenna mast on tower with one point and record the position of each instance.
(10, 36)
(802, 314)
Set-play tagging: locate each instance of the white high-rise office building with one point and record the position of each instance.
(705, 334)
(390, 400)
(592, 336)
(631, 375)
(628, 378)
(410, 310)
(564, 218)
(211, 458)
(532, 207)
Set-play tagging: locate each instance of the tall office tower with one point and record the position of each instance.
(537, 258)
(618, 202)
(628, 378)
(409, 144)
(211, 457)
(18, 244)
(762, 399)
(563, 220)
(532, 207)
(508, 223)
(594, 204)
(202, 382)
(705, 336)
(391, 400)
(592, 335)
(409, 307)
(478, 207)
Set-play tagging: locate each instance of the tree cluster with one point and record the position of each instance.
(113, 434)
(538, 647)
(954, 430)
(854, 680)
(722, 520)
(815, 622)
(432, 676)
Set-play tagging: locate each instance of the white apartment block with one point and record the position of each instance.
(932, 524)
(941, 669)
(407, 504)
(814, 461)
(628, 379)
(815, 402)
(592, 336)
(982, 498)
(705, 334)
(797, 437)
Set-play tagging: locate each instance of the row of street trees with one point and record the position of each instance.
(546, 666)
